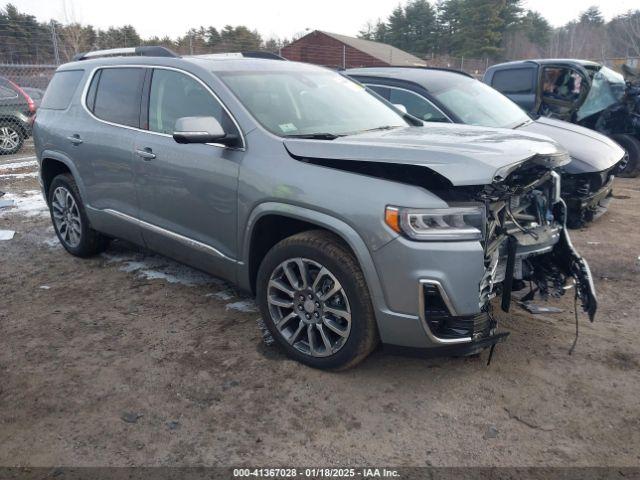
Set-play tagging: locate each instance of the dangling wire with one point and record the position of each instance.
(575, 309)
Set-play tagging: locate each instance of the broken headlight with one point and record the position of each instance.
(438, 224)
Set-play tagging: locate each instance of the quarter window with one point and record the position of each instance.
(174, 95)
(118, 94)
(61, 89)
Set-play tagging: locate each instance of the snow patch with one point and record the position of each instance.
(52, 242)
(154, 267)
(19, 175)
(222, 295)
(7, 234)
(30, 204)
(18, 165)
(248, 306)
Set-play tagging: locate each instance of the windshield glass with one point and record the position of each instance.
(289, 103)
(478, 104)
(607, 88)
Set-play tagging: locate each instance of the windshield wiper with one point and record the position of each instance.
(315, 136)
(385, 127)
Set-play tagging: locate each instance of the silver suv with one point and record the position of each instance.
(350, 224)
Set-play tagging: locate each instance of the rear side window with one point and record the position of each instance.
(61, 89)
(117, 95)
(517, 80)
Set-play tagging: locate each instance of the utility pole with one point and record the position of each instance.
(54, 40)
(190, 43)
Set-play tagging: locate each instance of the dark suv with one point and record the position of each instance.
(577, 91)
(16, 117)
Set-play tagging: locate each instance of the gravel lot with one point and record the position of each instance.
(131, 359)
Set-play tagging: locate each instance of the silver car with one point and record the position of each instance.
(352, 224)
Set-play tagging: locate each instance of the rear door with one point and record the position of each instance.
(102, 144)
(188, 193)
(518, 84)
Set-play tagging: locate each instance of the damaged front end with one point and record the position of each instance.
(526, 245)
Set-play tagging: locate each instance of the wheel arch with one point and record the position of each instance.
(54, 163)
(296, 219)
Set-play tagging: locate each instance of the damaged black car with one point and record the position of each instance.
(439, 95)
(578, 91)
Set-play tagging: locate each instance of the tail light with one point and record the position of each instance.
(30, 102)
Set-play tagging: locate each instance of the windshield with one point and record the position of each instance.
(292, 103)
(607, 88)
(478, 104)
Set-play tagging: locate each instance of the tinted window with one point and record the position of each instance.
(174, 95)
(382, 91)
(519, 80)
(118, 95)
(416, 105)
(61, 89)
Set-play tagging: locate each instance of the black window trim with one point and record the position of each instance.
(390, 87)
(87, 85)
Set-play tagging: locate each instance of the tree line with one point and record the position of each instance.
(502, 29)
(488, 29)
(23, 39)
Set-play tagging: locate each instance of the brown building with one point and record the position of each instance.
(340, 51)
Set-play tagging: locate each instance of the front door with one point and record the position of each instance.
(187, 193)
(562, 90)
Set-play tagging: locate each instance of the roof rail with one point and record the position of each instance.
(267, 55)
(148, 51)
(230, 55)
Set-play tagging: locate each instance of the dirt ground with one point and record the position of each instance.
(131, 359)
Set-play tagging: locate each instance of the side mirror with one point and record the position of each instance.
(202, 130)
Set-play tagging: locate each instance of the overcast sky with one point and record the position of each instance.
(272, 18)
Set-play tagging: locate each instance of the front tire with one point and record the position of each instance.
(632, 146)
(315, 302)
(11, 138)
(70, 220)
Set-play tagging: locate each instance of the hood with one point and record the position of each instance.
(463, 154)
(590, 151)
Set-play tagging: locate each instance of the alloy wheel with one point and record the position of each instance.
(9, 138)
(309, 307)
(66, 217)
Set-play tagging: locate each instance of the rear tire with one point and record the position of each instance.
(632, 146)
(70, 220)
(340, 330)
(11, 138)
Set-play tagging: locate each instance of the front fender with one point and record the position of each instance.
(322, 220)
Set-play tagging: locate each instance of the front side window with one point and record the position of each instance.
(117, 95)
(174, 95)
(307, 102)
(475, 103)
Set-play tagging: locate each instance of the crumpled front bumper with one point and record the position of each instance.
(586, 207)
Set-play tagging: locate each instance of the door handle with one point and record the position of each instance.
(75, 139)
(145, 154)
